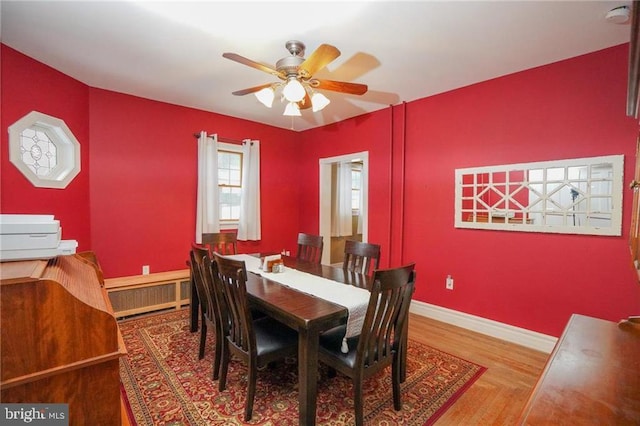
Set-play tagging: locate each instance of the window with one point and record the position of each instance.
(356, 187)
(45, 150)
(229, 183)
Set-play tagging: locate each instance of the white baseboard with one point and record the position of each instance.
(509, 333)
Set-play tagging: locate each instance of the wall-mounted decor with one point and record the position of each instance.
(44, 150)
(576, 196)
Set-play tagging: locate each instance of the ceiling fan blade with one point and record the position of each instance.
(252, 64)
(305, 103)
(251, 89)
(319, 59)
(341, 86)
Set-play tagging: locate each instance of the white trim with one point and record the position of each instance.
(520, 336)
(325, 197)
(225, 146)
(229, 225)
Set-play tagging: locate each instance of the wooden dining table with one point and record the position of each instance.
(307, 314)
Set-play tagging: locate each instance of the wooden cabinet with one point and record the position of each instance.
(591, 378)
(60, 340)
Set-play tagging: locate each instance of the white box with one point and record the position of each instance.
(65, 247)
(29, 241)
(26, 223)
(23, 232)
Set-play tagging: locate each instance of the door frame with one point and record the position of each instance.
(325, 197)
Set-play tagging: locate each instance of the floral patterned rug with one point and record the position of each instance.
(166, 384)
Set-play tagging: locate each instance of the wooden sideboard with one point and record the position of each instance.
(60, 340)
(591, 378)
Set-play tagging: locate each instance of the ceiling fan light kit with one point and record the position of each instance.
(292, 110)
(297, 81)
(293, 91)
(266, 96)
(319, 101)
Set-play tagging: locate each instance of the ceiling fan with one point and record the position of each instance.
(297, 82)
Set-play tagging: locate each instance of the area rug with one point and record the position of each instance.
(165, 383)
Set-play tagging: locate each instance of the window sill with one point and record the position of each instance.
(226, 226)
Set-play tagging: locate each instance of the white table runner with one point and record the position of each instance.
(355, 299)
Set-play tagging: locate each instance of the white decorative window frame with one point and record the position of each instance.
(66, 164)
(508, 214)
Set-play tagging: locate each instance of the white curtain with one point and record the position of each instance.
(361, 204)
(249, 225)
(341, 222)
(207, 205)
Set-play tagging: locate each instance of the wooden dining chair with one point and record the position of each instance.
(220, 314)
(205, 293)
(257, 342)
(361, 257)
(221, 242)
(380, 343)
(310, 248)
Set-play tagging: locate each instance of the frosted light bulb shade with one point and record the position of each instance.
(293, 91)
(319, 101)
(265, 96)
(292, 110)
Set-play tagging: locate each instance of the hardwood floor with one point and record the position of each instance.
(499, 395)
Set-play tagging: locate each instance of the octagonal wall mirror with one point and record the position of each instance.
(45, 150)
(576, 196)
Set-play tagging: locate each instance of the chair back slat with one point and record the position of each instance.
(219, 303)
(310, 248)
(221, 242)
(205, 292)
(361, 257)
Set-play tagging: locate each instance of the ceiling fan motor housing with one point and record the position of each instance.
(289, 65)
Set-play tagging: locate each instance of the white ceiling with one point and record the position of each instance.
(172, 51)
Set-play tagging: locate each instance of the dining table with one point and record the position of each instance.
(308, 314)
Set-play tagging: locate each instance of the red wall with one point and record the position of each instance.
(136, 206)
(140, 206)
(28, 86)
(370, 132)
(144, 174)
(570, 109)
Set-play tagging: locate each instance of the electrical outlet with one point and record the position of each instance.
(449, 283)
(145, 269)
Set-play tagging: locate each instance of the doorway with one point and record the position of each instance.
(328, 195)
